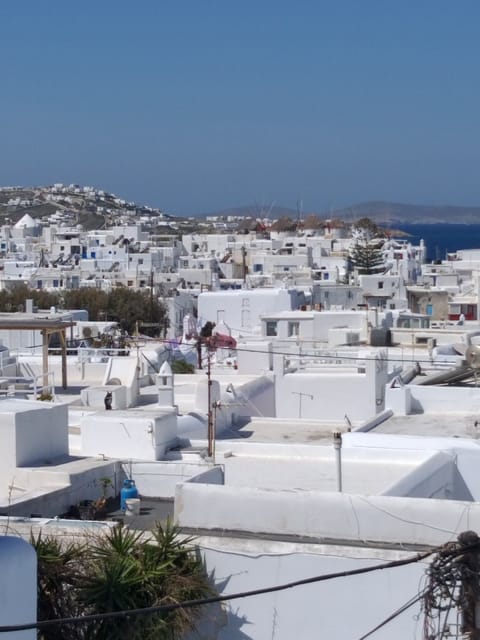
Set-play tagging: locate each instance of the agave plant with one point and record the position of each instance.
(59, 575)
(184, 578)
(120, 571)
(118, 580)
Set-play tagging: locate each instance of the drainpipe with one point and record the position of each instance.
(337, 445)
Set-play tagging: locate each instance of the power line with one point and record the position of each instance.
(189, 604)
(322, 356)
(305, 355)
(395, 614)
(449, 552)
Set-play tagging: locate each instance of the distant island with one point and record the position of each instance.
(384, 213)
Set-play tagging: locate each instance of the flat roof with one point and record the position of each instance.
(367, 471)
(452, 425)
(277, 430)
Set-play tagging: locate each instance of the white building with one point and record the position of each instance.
(241, 310)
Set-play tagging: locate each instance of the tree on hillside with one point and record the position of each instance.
(368, 228)
(367, 257)
(129, 307)
(91, 299)
(123, 305)
(13, 299)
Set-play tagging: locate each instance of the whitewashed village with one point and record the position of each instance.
(307, 404)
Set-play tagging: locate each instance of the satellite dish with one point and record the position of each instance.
(472, 356)
(460, 348)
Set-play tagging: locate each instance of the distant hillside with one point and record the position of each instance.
(381, 212)
(394, 212)
(88, 206)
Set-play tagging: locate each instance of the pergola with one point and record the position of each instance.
(47, 328)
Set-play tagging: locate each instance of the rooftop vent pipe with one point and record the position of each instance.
(337, 445)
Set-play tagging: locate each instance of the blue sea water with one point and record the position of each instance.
(443, 238)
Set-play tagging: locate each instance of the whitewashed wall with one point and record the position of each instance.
(332, 393)
(18, 586)
(241, 310)
(30, 433)
(433, 399)
(142, 435)
(159, 479)
(343, 609)
(324, 515)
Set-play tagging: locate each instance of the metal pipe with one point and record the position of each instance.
(337, 445)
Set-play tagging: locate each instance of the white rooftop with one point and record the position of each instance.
(453, 425)
(367, 472)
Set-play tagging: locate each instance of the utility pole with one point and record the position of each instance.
(244, 263)
(210, 408)
(151, 295)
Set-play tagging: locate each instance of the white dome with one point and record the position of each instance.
(26, 221)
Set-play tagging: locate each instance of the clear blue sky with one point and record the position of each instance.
(197, 105)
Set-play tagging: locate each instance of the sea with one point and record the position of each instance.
(443, 238)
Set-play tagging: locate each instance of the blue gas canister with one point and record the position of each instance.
(129, 490)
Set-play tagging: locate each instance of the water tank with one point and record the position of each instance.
(129, 490)
(380, 337)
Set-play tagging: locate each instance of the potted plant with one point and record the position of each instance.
(100, 504)
(95, 509)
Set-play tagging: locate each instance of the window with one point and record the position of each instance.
(55, 284)
(130, 283)
(293, 329)
(380, 285)
(271, 328)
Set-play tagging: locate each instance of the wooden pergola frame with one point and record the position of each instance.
(47, 327)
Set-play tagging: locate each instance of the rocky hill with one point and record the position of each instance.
(88, 206)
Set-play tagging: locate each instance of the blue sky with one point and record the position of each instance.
(197, 105)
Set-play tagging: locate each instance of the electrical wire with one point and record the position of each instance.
(306, 355)
(448, 550)
(394, 615)
(215, 599)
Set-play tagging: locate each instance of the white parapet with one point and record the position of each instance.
(31, 433)
(133, 434)
(95, 396)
